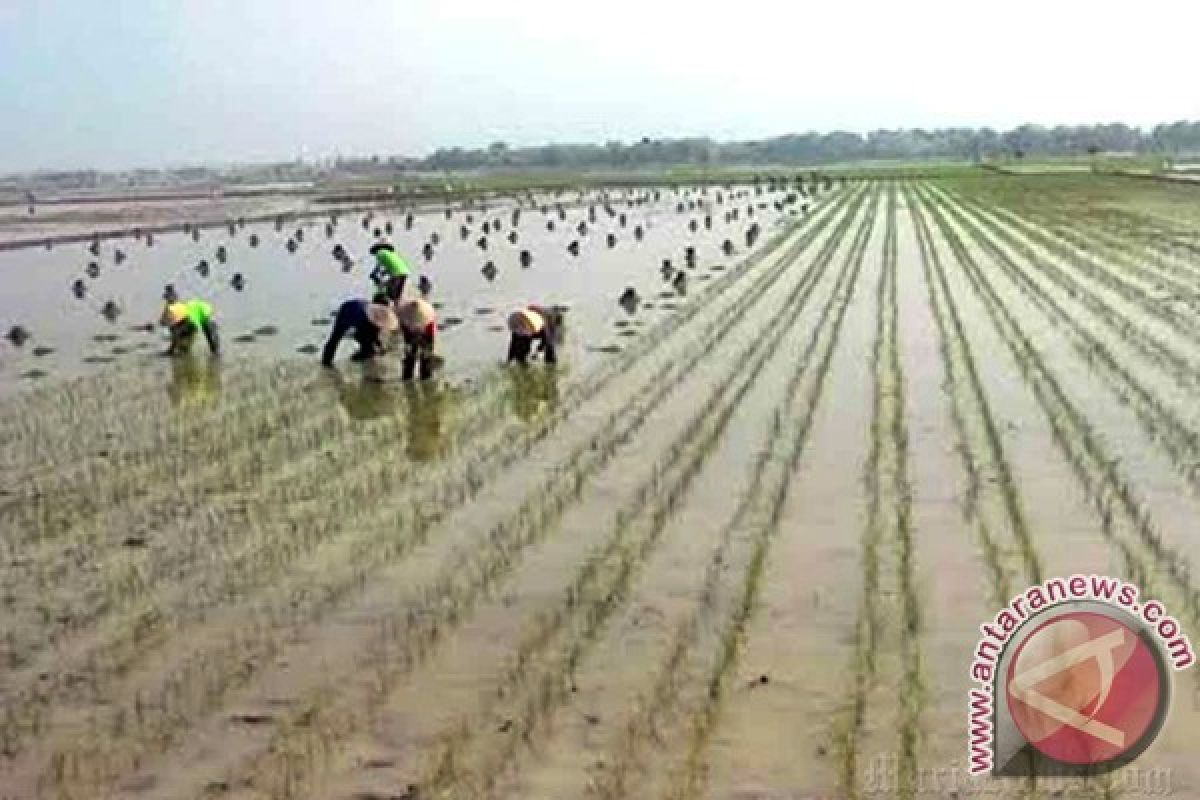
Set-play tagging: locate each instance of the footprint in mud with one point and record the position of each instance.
(438, 305)
(245, 338)
(717, 268)
(34, 374)
(322, 322)
(666, 295)
(450, 322)
(142, 346)
(42, 350)
(105, 337)
(98, 360)
(308, 349)
(648, 305)
(669, 306)
(605, 348)
(627, 332)
(484, 310)
(266, 330)
(119, 351)
(497, 328)
(146, 327)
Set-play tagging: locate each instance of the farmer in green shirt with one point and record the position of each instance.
(391, 271)
(185, 320)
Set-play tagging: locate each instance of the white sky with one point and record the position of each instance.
(112, 83)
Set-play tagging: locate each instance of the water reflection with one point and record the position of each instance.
(428, 405)
(195, 382)
(425, 407)
(365, 399)
(535, 391)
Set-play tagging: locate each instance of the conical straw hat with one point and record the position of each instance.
(174, 314)
(416, 315)
(525, 322)
(382, 317)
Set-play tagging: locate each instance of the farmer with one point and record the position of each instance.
(184, 320)
(530, 324)
(391, 271)
(418, 325)
(367, 320)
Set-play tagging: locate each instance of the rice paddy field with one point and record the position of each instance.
(737, 544)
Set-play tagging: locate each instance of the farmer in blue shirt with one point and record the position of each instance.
(368, 321)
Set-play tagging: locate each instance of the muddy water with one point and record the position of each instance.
(952, 574)
(288, 291)
(336, 641)
(775, 739)
(1169, 502)
(561, 630)
(626, 654)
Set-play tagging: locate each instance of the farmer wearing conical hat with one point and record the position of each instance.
(391, 270)
(534, 323)
(418, 325)
(184, 320)
(368, 321)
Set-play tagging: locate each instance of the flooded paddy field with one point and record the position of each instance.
(85, 305)
(742, 552)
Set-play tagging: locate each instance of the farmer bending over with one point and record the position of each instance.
(391, 271)
(367, 320)
(418, 325)
(184, 320)
(530, 324)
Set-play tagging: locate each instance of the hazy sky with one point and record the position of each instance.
(115, 83)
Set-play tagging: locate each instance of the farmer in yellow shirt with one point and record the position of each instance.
(184, 320)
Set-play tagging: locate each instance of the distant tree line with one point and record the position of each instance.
(973, 144)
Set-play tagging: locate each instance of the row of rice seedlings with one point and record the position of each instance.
(1092, 226)
(913, 689)
(1167, 244)
(205, 423)
(271, 485)
(1175, 362)
(310, 592)
(1157, 273)
(235, 394)
(104, 416)
(743, 546)
(1162, 425)
(887, 549)
(530, 699)
(280, 510)
(1125, 518)
(410, 633)
(687, 780)
(32, 423)
(53, 504)
(992, 466)
(1096, 273)
(1172, 249)
(231, 473)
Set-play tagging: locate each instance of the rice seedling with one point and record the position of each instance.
(1100, 475)
(312, 533)
(418, 629)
